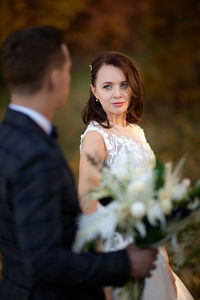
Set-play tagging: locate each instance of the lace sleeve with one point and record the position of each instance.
(94, 126)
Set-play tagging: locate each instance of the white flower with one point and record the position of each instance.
(141, 228)
(186, 182)
(101, 223)
(195, 204)
(165, 200)
(164, 194)
(155, 214)
(138, 210)
(141, 188)
(166, 206)
(180, 190)
(136, 187)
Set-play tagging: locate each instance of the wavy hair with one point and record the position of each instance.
(93, 110)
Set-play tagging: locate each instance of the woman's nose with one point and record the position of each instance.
(117, 92)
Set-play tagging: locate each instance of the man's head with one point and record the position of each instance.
(29, 55)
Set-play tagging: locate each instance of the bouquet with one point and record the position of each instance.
(150, 205)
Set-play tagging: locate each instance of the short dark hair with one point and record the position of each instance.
(93, 110)
(28, 54)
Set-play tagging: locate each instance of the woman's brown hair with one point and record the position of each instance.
(93, 110)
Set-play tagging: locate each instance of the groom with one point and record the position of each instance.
(38, 199)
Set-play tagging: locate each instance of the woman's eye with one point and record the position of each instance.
(124, 85)
(107, 86)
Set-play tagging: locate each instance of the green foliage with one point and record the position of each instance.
(155, 234)
(91, 246)
(195, 191)
(159, 173)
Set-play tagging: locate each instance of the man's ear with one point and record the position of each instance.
(93, 89)
(53, 80)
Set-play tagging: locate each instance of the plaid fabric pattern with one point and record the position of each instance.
(38, 211)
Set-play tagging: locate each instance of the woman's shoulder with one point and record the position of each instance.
(94, 126)
(94, 132)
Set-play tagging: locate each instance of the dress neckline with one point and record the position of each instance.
(129, 139)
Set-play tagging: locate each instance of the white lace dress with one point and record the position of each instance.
(119, 147)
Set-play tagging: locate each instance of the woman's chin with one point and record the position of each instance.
(118, 110)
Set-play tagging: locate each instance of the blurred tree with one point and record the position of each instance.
(16, 14)
(105, 24)
(172, 36)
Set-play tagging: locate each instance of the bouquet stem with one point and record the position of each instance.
(138, 287)
(133, 290)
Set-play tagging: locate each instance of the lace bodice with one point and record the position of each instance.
(119, 147)
(120, 144)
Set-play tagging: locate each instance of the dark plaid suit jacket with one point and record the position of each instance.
(38, 211)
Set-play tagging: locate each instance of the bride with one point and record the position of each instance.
(111, 115)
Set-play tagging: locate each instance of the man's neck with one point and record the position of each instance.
(37, 102)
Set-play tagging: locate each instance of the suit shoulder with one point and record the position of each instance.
(17, 147)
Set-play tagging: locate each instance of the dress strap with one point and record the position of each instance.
(95, 126)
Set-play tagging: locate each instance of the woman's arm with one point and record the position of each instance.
(93, 145)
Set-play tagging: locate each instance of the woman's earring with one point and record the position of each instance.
(97, 100)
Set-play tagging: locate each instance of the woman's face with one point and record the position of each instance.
(112, 90)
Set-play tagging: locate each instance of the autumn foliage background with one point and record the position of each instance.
(163, 38)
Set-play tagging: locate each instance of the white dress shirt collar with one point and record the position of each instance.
(38, 118)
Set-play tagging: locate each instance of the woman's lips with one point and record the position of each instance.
(117, 104)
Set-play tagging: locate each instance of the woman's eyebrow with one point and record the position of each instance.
(107, 82)
(110, 82)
